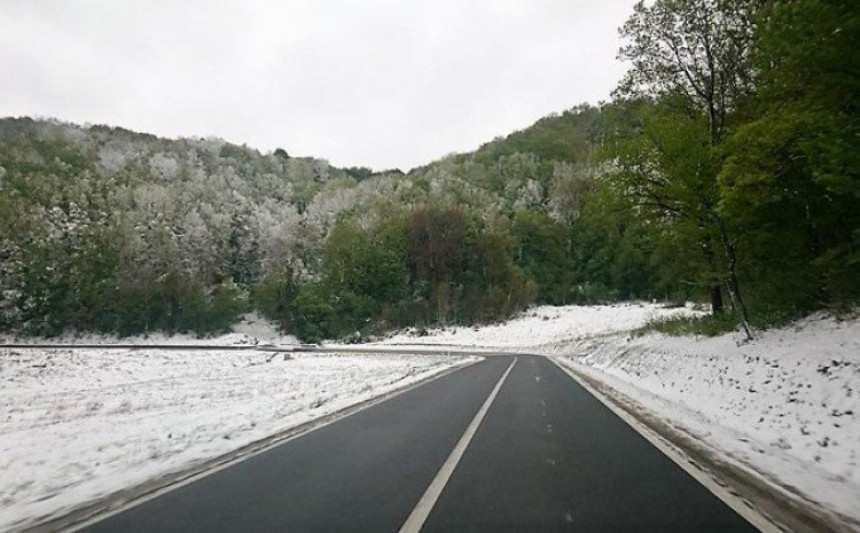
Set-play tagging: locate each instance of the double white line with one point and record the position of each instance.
(431, 495)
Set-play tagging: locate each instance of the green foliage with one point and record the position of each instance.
(612, 256)
(665, 172)
(359, 173)
(109, 230)
(224, 307)
(274, 295)
(792, 171)
(749, 157)
(366, 262)
(542, 246)
(565, 137)
(363, 271)
(432, 265)
(313, 314)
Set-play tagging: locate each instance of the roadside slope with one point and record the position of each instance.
(784, 406)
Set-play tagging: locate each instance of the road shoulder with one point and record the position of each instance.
(766, 504)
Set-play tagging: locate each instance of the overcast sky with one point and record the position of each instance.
(378, 83)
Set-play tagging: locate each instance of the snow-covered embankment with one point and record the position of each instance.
(785, 405)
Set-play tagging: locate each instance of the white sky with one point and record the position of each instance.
(378, 83)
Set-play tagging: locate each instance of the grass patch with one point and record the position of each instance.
(708, 325)
(762, 318)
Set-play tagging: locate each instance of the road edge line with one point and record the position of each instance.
(428, 500)
(125, 499)
(761, 522)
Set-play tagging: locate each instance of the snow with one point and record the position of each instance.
(544, 324)
(78, 424)
(251, 330)
(785, 406)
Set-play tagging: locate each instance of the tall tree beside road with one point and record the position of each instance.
(693, 56)
(792, 177)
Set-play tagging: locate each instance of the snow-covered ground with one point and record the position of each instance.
(544, 325)
(251, 330)
(79, 424)
(786, 405)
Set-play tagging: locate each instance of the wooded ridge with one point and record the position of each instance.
(724, 170)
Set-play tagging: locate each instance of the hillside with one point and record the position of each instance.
(110, 230)
(744, 197)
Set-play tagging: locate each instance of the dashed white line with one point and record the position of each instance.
(431, 495)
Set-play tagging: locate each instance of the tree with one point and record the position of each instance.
(697, 48)
(359, 173)
(437, 246)
(367, 262)
(792, 176)
(541, 251)
(663, 168)
(241, 259)
(570, 187)
(696, 55)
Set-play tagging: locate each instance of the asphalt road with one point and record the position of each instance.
(546, 456)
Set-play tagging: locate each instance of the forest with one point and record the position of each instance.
(724, 170)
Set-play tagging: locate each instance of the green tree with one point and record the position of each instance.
(792, 177)
(695, 55)
(437, 248)
(542, 253)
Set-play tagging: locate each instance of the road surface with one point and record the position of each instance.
(508, 444)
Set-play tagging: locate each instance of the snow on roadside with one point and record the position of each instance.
(544, 325)
(787, 404)
(79, 424)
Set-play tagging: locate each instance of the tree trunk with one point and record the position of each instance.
(732, 281)
(716, 290)
(716, 299)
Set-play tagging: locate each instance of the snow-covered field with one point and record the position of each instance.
(786, 405)
(79, 424)
(545, 325)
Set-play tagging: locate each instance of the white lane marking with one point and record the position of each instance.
(677, 456)
(428, 500)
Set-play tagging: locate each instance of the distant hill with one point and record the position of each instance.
(565, 137)
(106, 229)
